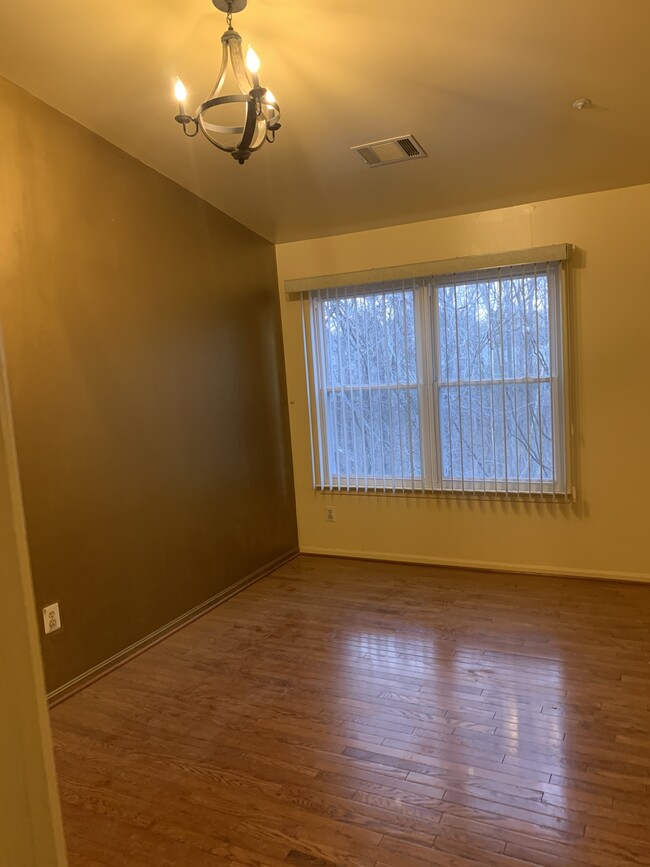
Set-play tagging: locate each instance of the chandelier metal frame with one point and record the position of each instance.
(262, 113)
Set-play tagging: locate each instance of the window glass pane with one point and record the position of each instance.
(496, 432)
(370, 435)
(370, 339)
(494, 328)
(495, 381)
(372, 400)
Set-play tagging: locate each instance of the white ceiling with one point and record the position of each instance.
(485, 86)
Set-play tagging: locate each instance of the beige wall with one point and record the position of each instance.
(605, 531)
(142, 329)
(30, 821)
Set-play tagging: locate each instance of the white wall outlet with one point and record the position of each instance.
(330, 514)
(51, 618)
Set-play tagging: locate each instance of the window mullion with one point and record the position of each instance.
(480, 376)
(448, 390)
(434, 376)
(423, 356)
(390, 388)
(407, 377)
(513, 297)
(460, 394)
(524, 296)
(502, 354)
(390, 406)
(470, 386)
(493, 384)
(368, 436)
(539, 387)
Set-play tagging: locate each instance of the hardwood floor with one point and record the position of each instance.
(373, 715)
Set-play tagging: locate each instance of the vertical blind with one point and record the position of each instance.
(450, 383)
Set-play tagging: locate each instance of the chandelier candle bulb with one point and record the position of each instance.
(180, 91)
(253, 64)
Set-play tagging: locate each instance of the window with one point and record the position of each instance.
(448, 383)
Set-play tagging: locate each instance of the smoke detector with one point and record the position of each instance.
(390, 150)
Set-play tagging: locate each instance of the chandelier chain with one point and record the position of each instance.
(229, 15)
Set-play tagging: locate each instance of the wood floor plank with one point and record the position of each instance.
(349, 714)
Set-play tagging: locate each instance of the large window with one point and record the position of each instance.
(441, 384)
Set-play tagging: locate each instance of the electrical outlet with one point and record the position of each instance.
(330, 514)
(51, 618)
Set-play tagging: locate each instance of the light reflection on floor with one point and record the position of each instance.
(465, 690)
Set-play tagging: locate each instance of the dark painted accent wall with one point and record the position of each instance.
(144, 351)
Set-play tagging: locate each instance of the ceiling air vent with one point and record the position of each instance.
(391, 150)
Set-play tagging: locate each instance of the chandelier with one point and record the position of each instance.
(257, 113)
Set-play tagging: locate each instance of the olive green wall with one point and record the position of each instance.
(145, 361)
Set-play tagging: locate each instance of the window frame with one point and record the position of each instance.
(428, 384)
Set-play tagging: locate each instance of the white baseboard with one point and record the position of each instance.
(87, 677)
(484, 565)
